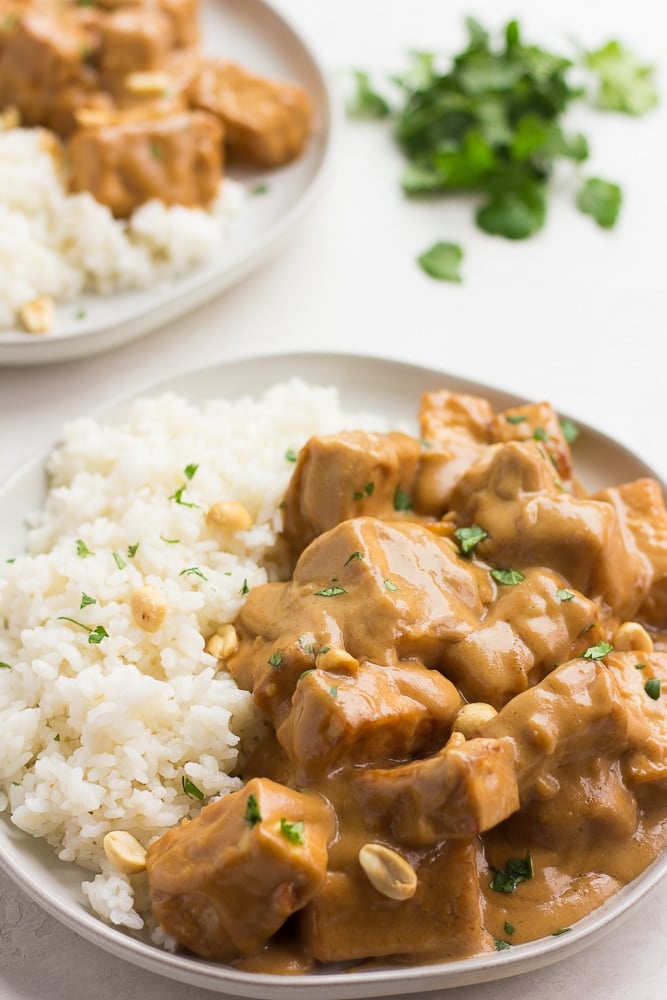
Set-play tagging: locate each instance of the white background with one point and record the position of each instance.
(575, 315)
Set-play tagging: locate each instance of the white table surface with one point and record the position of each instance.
(575, 315)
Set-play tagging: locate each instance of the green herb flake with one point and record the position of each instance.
(640, 666)
(245, 589)
(515, 418)
(510, 577)
(365, 102)
(276, 660)
(352, 556)
(170, 541)
(80, 314)
(601, 200)
(119, 561)
(390, 585)
(333, 691)
(401, 500)
(82, 549)
(539, 434)
(193, 571)
(259, 189)
(652, 688)
(86, 601)
(624, 83)
(367, 491)
(132, 550)
(156, 150)
(177, 497)
(190, 470)
(95, 635)
(468, 538)
(252, 814)
(305, 673)
(57, 738)
(330, 592)
(501, 945)
(442, 261)
(12, 560)
(293, 831)
(5, 666)
(508, 927)
(561, 930)
(291, 455)
(569, 430)
(516, 870)
(191, 789)
(597, 652)
(564, 595)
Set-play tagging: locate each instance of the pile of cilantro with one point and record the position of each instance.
(492, 123)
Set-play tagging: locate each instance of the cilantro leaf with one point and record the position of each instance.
(600, 199)
(442, 261)
(366, 102)
(516, 870)
(624, 83)
(510, 577)
(293, 831)
(515, 214)
(252, 813)
(598, 651)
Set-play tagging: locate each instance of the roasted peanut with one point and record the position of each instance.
(632, 636)
(125, 852)
(148, 84)
(336, 660)
(223, 643)
(149, 608)
(228, 515)
(472, 717)
(38, 314)
(388, 871)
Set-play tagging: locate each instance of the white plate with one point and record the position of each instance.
(392, 389)
(252, 33)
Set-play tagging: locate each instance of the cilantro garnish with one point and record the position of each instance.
(95, 634)
(624, 84)
(390, 585)
(516, 870)
(119, 561)
(468, 538)
(515, 418)
(569, 430)
(82, 549)
(330, 592)
(354, 555)
(564, 595)
(191, 789)
(193, 571)
(252, 813)
(598, 651)
(177, 497)
(291, 455)
(293, 831)
(5, 666)
(401, 500)
(501, 945)
(276, 660)
(600, 199)
(442, 261)
(367, 491)
(366, 102)
(132, 550)
(86, 600)
(652, 688)
(190, 470)
(510, 577)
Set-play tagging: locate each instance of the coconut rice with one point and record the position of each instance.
(107, 726)
(59, 245)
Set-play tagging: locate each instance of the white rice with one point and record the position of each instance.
(62, 245)
(101, 736)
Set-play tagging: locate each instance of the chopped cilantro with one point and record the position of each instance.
(367, 491)
(501, 945)
(132, 550)
(156, 150)
(245, 589)
(569, 430)
(82, 549)
(366, 102)
(252, 813)
(330, 592)
(515, 418)
(564, 595)
(170, 541)
(401, 500)
(193, 571)
(625, 84)
(86, 600)
(390, 585)
(516, 870)
(95, 635)
(259, 189)
(468, 538)
(276, 660)
(290, 455)
(539, 434)
(640, 666)
(333, 691)
(508, 927)
(652, 688)
(177, 496)
(5, 666)
(601, 200)
(190, 470)
(293, 831)
(305, 673)
(119, 561)
(510, 577)
(597, 652)
(191, 789)
(354, 555)
(561, 930)
(442, 261)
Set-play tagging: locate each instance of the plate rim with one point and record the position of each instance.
(391, 981)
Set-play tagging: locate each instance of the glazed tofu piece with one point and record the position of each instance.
(351, 474)
(184, 20)
(134, 39)
(371, 715)
(465, 789)
(266, 122)
(225, 882)
(350, 919)
(176, 159)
